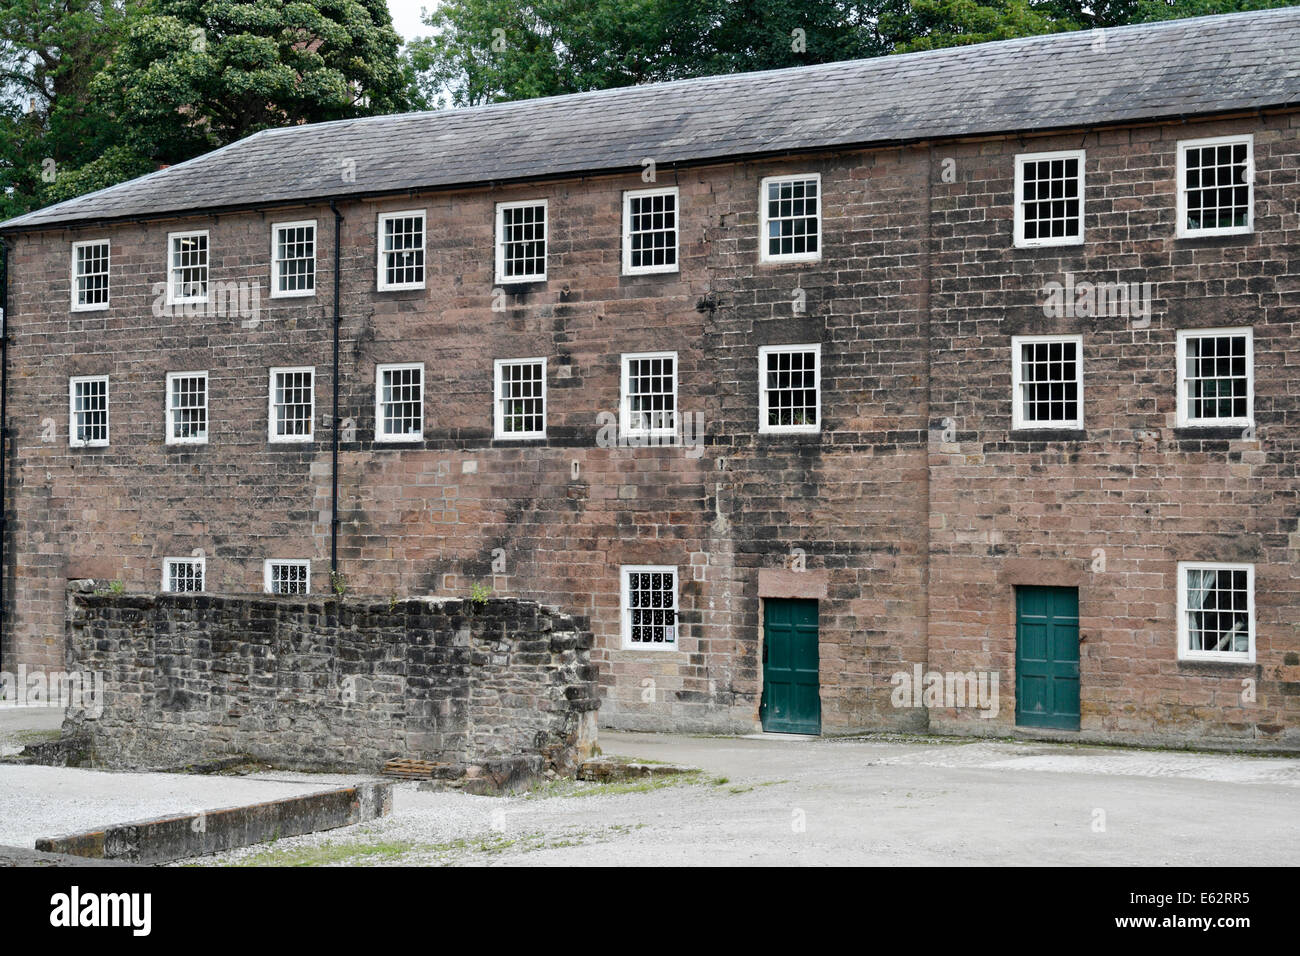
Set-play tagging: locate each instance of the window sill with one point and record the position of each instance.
(1214, 237)
(786, 263)
(1052, 247)
(1048, 434)
(1192, 665)
(648, 273)
(1211, 432)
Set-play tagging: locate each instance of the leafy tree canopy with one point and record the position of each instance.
(196, 74)
(489, 50)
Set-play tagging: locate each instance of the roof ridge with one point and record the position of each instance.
(1168, 69)
(938, 52)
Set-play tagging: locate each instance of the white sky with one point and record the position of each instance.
(406, 17)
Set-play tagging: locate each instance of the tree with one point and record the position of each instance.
(488, 50)
(1147, 10)
(192, 75)
(931, 24)
(50, 52)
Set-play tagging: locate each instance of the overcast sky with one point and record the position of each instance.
(406, 17)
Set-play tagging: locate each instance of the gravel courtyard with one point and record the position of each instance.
(756, 800)
(773, 800)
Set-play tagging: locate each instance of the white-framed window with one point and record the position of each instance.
(88, 411)
(292, 404)
(1049, 199)
(90, 262)
(187, 270)
(1047, 381)
(1216, 377)
(401, 250)
(293, 259)
(187, 408)
(399, 402)
(1216, 194)
(789, 388)
(649, 394)
(183, 575)
(649, 603)
(521, 241)
(650, 231)
(520, 406)
(791, 221)
(1216, 611)
(286, 576)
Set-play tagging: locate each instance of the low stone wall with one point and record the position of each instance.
(320, 683)
(185, 835)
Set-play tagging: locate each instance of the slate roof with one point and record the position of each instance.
(1147, 72)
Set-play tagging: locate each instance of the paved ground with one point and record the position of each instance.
(20, 726)
(758, 800)
(58, 801)
(776, 800)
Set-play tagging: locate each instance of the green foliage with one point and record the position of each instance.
(1147, 10)
(192, 75)
(491, 50)
(488, 50)
(931, 24)
(50, 52)
(93, 93)
(116, 164)
(479, 594)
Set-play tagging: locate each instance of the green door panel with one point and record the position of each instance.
(1047, 657)
(791, 685)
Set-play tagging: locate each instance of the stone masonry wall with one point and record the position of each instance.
(323, 683)
(1113, 508)
(434, 517)
(916, 510)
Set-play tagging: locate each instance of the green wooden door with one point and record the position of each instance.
(791, 689)
(1047, 657)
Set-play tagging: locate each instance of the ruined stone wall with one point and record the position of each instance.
(319, 683)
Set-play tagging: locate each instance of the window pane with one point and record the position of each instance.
(189, 267)
(790, 383)
(401, 402)
(523, 241)
(1217, 187)
(1216, 381)
(1049, 383)
(652, 231)
(1050, 199)
(189, 407)
(792, 217)
(403, 250)
(652, 606)
(520, 397)
(295, 259)
(293, 403)
(90, 263)
(1218, 610)
(651, 394)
